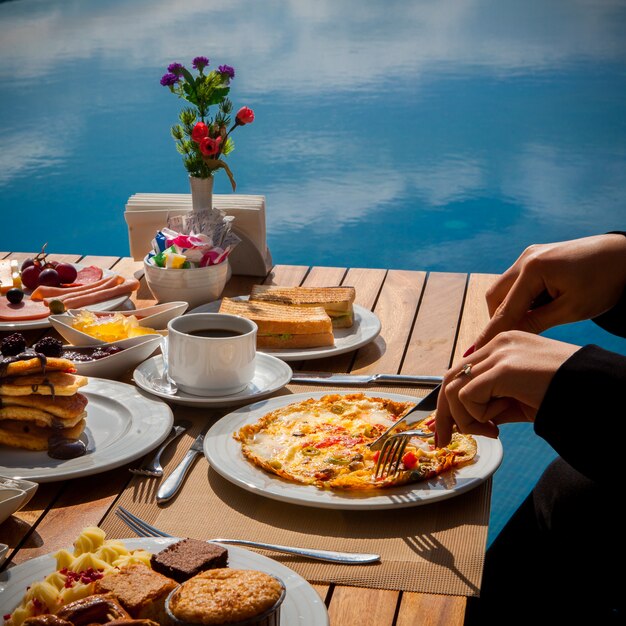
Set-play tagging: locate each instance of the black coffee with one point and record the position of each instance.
(214, 332)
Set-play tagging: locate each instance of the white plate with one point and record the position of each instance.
(366, 328)
(270, 375)
(122, 425)
(107, 305)
(302, 605)
(225, 457)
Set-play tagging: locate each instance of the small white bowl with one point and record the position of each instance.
(63, 325)
(156, 316)
(196, 286)
(15, 493)
(135, 351)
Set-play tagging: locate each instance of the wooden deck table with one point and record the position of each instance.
(428, 321)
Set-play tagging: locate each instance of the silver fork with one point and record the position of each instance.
(391, 453)
(143, 529)
(418, 413)
(152, 467)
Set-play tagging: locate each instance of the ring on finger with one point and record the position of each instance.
(466, 370)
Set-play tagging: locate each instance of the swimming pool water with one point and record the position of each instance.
(439, 136)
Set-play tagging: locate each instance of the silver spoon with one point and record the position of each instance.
(164, 384)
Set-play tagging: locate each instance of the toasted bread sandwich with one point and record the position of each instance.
(336, 301)
(284, 326)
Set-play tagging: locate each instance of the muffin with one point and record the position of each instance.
(187, 558)
(227, 596)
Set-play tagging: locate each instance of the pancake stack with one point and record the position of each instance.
(39, 399)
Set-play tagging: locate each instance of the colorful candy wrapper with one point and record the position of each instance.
(196, 239)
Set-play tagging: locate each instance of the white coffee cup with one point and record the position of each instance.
(217, 362)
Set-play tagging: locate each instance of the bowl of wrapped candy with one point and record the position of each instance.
(191, 263)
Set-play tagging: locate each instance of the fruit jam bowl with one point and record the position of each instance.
(195, 286)
(121, 356)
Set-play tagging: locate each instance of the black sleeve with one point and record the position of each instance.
(587, 395)
(615, 320)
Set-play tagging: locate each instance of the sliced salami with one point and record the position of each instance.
(89, 274)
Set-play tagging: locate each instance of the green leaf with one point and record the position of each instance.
(188, 76)
(218, 95)
(228, 146)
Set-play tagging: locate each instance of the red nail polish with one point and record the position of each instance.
(470, 350)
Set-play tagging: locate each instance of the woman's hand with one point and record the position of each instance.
(583, 277)
(506, 383)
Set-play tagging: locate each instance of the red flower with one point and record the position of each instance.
(245, 115)
(199, 132)
(210, 146)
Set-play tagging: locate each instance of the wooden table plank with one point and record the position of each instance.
(324, 277)
(105, 262)
(240, 285)
(433, 338)
(418, 609)
(287, 275)
(475, 312)
(396, 307)
(355, 606)
(81, 502)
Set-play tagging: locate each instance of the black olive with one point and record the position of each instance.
(15, 296)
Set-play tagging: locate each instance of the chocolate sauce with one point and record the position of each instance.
(59, 447)
(65, 448)
(27, 355)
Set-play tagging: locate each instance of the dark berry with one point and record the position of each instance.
(15, 296)
(49, 346)
(13, 344)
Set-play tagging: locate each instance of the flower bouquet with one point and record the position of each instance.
(202, 139)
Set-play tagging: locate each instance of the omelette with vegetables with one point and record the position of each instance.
(325, 443)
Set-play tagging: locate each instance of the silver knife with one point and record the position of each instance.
(325, 378)
(420, 411)
(170, 486)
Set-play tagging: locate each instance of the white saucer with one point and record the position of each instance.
(270, 375)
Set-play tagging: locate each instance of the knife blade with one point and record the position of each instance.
(170, 486)
(326, 378)
(421, 410)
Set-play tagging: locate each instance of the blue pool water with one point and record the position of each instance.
(428, 135)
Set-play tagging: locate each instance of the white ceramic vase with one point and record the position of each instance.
(201, 193)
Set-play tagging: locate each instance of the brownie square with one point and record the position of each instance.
(188, 557)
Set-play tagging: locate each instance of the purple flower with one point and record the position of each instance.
(199, 63)
(175, 68)
(227, 69)
(167, 80)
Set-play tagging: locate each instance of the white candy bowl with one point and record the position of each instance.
(196, 286)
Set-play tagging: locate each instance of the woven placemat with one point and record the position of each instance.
(434, 548)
